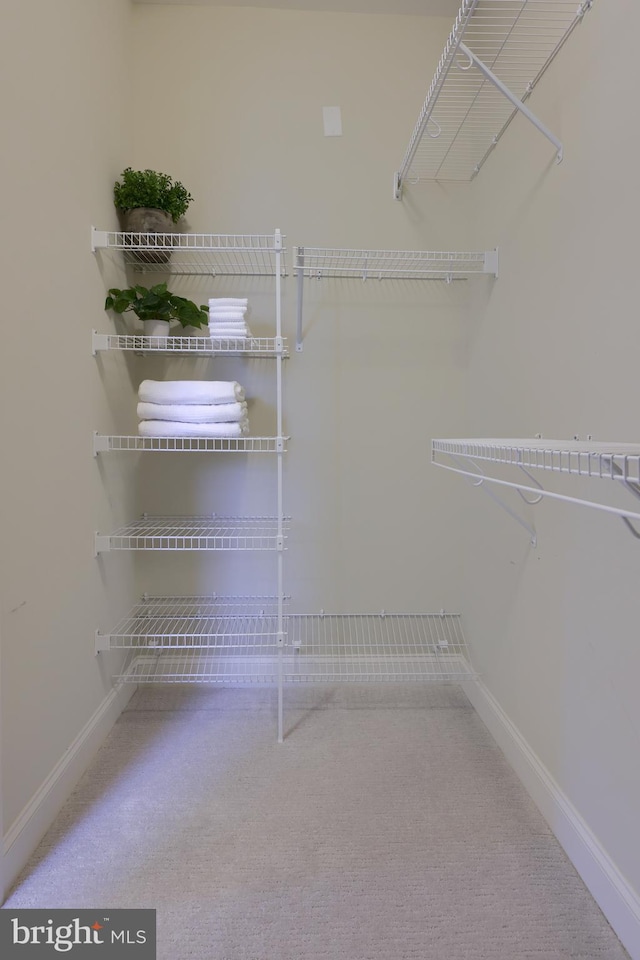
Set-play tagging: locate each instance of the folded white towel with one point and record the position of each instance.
(190, 391)
(228, 324)
(225, 334)
(193, 412)
(225, 302)
(224, 315)
(173, 428)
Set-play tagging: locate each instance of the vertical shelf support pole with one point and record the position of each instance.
(300, 270)
(518, 104)
(280, 453)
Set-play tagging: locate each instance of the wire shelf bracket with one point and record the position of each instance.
(583, 458)
(510, 46)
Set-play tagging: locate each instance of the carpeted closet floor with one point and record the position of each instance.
(388, 826)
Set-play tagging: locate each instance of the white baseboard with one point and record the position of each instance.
(616, 898)
(29, 827)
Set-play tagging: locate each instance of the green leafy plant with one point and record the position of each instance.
(147, 188)
(157, 303)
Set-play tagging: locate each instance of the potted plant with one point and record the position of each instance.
(150, 203)
(156, 307)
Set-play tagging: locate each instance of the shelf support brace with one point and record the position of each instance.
(479, 482)
(518, 104)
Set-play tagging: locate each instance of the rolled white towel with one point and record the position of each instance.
(226, 302)
(190, 391)
(174, 428)
(193, 412)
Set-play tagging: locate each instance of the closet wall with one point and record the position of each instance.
(554, 352)
(383, 364)
(63, 74)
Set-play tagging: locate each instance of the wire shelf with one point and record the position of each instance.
(197, 254)
(196, 533)
(465, 113)
(319, 262)
(586, 458)
(175, 622)
(104, 444)
(580, 458)
(326, 647)
(192, 346)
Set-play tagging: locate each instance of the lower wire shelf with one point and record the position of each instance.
(245, 647)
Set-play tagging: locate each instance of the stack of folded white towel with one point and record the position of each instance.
(227, 317)
(192, 408)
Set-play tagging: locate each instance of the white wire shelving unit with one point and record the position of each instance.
(203, 346)
(196, 254)
(510, 462)
(244, 626)
(495, 55)
(201, 640)
(103, 444)
(318, 263)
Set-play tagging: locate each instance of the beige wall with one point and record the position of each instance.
(382, 365)
(553, 628)
(64, 79)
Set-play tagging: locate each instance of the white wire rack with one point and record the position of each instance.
(196, 533)
(194, 622)
(104, 444)
(323, 647)
(192, 346)
(582, 458)
(369, 647)
(495, 55)
(197, 254)
(322, 262)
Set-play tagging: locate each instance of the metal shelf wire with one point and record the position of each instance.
(316, 263)
(193, 622)
(104, 444)
(319, 262)
(581, 458)
(196, 533)
(196, 254)
(192, 346)
(318, 647)
(495, 55)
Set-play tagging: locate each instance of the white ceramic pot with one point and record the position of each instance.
(156, 328)
(190, 331)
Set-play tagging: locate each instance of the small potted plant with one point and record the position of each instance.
(157, 307)
(150, 203)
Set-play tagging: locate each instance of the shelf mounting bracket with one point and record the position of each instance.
(479, 482)
(518, 104)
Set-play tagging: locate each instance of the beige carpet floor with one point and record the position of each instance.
(388, 826)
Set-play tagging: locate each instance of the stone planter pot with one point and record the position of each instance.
(151, 222)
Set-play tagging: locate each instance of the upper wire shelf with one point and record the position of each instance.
(320, 262)
(582, 458)
(495, 55)
(197, 254)
(192, 346)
